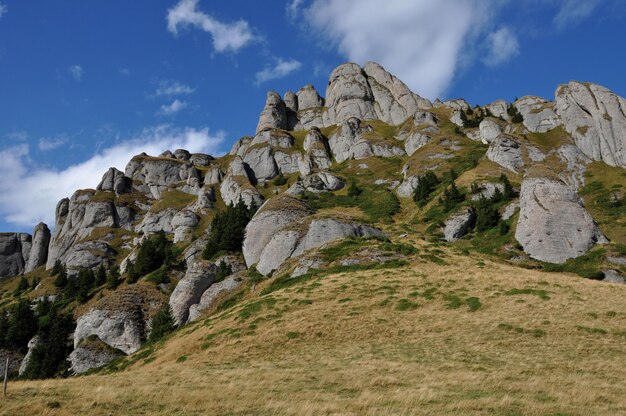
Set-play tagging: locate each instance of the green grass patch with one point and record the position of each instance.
(541, 293)
(588, 265)
(405, 305)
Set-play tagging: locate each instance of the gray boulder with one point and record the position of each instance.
(14, 252)
(308, 98)
(214, 293)
(596, 119)
(415, 141)
(489, 130)
(538, 114)
(459, 225)
(153, 175)
(32, 343)
(39, 250)
(350, 142)
(183, 224)
(274, 115)
(612, 276)
(92, 353)
(199, 276)
(506, 151)
(499, 108)
(553, 224)
(276, 214)
(115, 181)
(349, 95)
(394, 102)
(407, 187)
(236, 184)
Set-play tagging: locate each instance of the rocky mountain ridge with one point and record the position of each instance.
(349, 165)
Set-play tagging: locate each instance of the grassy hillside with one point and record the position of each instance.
(466, 337)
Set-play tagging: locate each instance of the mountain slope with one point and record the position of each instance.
(468, 337)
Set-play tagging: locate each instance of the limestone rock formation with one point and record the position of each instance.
(596, 119)
(349, 95)
(214, 292)
(236, 184)
(120, 319)
(14, 251)
(39, 250)
(199, 276)
(553, 224)
(32, 343)
(499, 108)
(539, 115)
(489, 130)
(92, 353)
(459, 224)
(115, 180)
(350, 142)
(274, 115)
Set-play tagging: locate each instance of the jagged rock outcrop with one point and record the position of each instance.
(316, 183)
(91, 353)
(273, 216)
(538, 114)
(39, 249)
(350, 142)
(14, 253)
(553, 224)
(153, 175)
(183, 224)
(274, 115)
(199, 276)
(317, 150)
(215, 292)
(281, 230)
(499, 108)
(596, 119)
(236, 184)
(408, 186)
(115, 180)
(394, 102)
(513, 153)
(121, 319)
(612, 276)
(34, 341)
(349, 95)
(459, 225)
(487, 190)
(489, 130)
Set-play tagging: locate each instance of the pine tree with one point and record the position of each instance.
(451, 197)
(56, 269)
(101, 276)
(354, 190)
(4, 327)
(486, 215)
(426, 184)
(49, 357)
(228, 229)
(223, 270)
(61, 279)
(22, 326)
(509, 192)
(113, 279)
(22, 286)
(162, 323)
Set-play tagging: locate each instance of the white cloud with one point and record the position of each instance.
(503, 46)
(18, 135)
(51, 143)
(3, 10)
(76, 71)
(281, 69)
(29, 192)
(573, 11)
(167, 88)
(170, 109)
(124, 71)
(420, 41)
(226, 36)
(293, 8)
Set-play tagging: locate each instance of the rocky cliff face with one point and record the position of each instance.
(321, 170)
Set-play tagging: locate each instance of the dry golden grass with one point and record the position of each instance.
(376, 343)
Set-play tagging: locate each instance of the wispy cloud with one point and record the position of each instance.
(421, 41)
(19, 135)
(574, 11)
(503, 46)
(50, 143)
(293, 8)
(3, 10)
(167, 88)
(280, 69)
(124, 71)
(29, 192)
(173, 108)
(226, 36)
(76, 71)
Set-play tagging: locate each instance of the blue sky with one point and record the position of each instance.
(84, 85)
